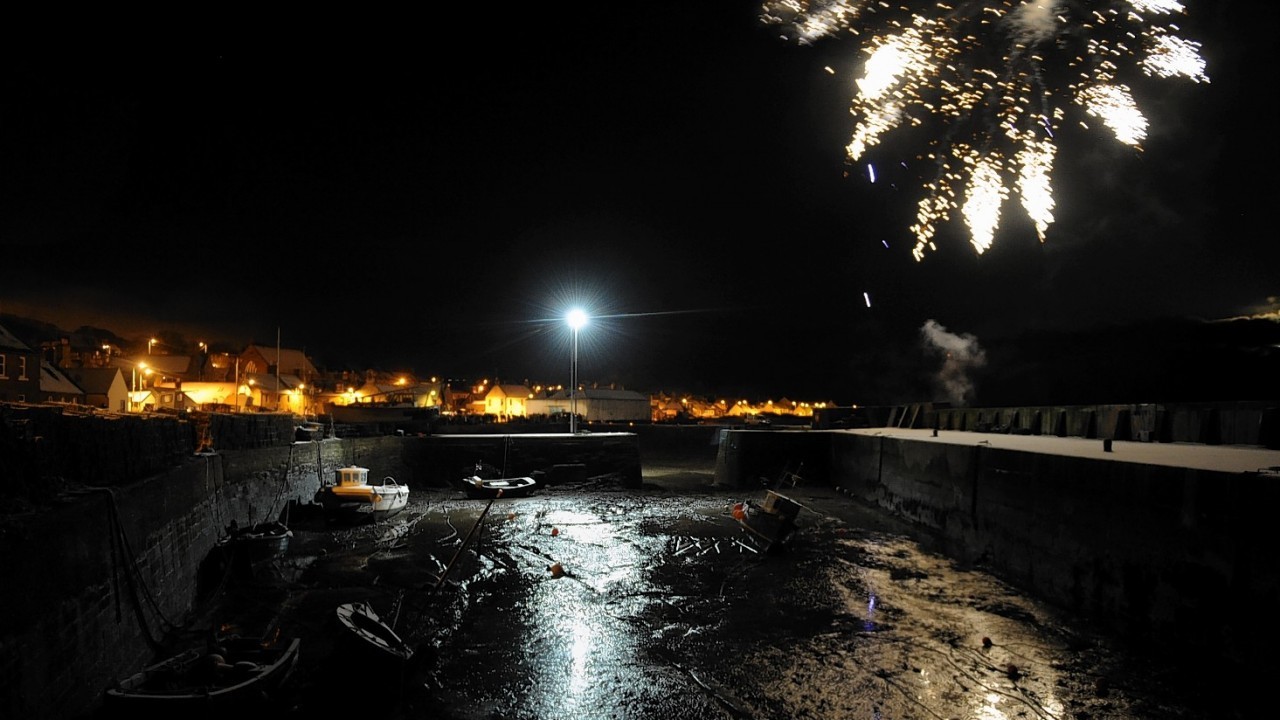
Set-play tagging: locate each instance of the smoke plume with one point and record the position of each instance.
(960, 354)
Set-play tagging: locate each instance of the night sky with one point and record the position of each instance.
(433, 195)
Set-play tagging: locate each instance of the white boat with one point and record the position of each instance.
(372, 633)
(478, 487)
(352, 497)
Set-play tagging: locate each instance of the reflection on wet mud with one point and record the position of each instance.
(613, 605)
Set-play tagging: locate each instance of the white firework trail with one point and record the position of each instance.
(997, 79)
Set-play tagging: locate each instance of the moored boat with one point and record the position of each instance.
(371, 634)
(352, 497)
(257, 542)
(250, 553)
(239, 673)
(478, 487)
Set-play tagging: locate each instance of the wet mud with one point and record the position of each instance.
(594, 601)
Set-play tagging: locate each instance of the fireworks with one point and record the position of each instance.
(991, 82)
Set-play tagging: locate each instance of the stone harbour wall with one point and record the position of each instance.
(95, 576)
(94, 580)
(1176, 559)
(100, 562)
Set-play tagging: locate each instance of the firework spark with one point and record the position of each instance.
(996, 79)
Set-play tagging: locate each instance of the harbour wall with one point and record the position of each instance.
(98, 576)
(1176, 560)
(95, 584)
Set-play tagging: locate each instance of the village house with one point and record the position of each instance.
(19, 369)
(595, 405)
(56, 387)
(507, 401)
(104, 387)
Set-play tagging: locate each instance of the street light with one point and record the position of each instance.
(133, 396)
(150, 342)
(577, 318)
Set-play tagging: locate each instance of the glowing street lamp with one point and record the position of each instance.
(150, 342)
(576, 318)
(140, 373)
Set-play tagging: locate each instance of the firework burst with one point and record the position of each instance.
(992, 82)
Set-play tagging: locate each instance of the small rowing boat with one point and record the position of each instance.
(239, 672)
(478, 487)
(371, 633)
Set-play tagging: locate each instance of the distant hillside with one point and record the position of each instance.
(34, 332)
(1163, 361)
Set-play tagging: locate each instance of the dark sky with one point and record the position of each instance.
(433, 194)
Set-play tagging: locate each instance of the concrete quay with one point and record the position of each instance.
(1168, 544)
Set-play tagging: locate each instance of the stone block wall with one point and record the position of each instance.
(62, 444)
(1177, 560)
(92, 586)
(752, 459)
(1238, 423)
(97, 577)
(93, 581)
(444, 460)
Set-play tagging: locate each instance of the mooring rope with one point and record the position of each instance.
(284, 486)
(123, 557)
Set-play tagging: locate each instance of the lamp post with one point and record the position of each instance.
(577, 318)
(140, 373)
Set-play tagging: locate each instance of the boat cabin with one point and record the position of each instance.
(353, 475)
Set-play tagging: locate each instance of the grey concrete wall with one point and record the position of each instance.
(752, 459)
(445, 460)
(1239, 423)
(1221, 423)
(1179, 560)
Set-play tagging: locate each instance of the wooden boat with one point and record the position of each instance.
(371, 633)
(479, 487)
(250, 553)
(352, 497)
(239, 672)
(773, 522)
(258, 542)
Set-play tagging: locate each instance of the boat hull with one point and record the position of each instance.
(364, 505)
(244, 674)
(477, 487)
(371, 635)
(353, 498)
(257, 543)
